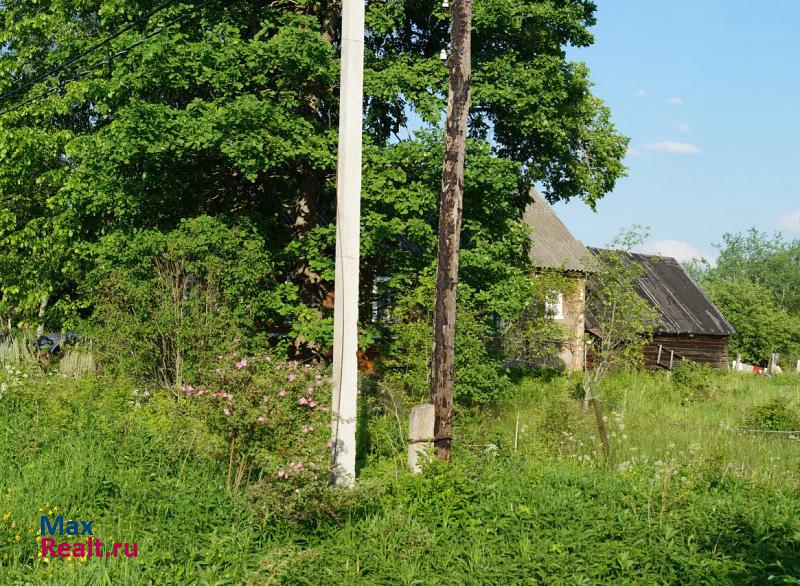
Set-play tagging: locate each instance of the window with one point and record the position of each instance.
(381, 301)
(555, 305)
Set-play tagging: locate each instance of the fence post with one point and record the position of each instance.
(773, 363)
(420, 435)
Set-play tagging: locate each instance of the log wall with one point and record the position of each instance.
(711, 350)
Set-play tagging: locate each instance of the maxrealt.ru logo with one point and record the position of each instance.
(91, 547)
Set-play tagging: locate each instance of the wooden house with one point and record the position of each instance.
(689, 325)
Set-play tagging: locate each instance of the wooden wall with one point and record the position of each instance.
(711, 350)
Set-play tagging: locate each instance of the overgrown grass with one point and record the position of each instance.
(680, 504)
(651, 418)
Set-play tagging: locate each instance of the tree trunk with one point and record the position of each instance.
(444, 324)
(42, 309)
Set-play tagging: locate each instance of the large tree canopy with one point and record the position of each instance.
(228, 108)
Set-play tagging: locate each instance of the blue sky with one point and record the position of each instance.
(709, 92)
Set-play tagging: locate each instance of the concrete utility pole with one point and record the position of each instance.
(444, 321)
(348, 218)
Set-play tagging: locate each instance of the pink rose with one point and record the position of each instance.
(290, 378)
(282, 393)
(303, 401)
(242, 364)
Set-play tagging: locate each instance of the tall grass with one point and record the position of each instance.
(650, 418)
(528, 499)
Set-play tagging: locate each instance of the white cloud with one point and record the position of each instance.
(683, 127)
(641, 94)
(676, 148)
(675, 101)
(632, 152)
(680, 251)
(790, 222)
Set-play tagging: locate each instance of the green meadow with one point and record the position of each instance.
(687, 495)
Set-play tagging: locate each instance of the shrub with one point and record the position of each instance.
(694, 380)
(275, 417)
(777, 415)
(479, 373)
(164, 303)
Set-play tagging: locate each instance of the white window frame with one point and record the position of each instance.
(380, 312)
(555, 309)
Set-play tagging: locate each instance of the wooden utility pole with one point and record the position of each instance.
(444, 321)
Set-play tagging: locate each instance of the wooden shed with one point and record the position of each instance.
(689, 325)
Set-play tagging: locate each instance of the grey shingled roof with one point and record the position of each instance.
(554, 247)
(683, 306)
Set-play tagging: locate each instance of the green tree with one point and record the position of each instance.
(756, 284)
(624, 320)
(762, 326)
(622, 317)
(770, 261)
(229, 110)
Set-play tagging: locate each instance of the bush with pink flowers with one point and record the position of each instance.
(275, 416)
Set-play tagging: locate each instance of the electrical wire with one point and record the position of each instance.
(89, 51)
(99, 64)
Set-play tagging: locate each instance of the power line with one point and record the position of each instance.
(90, 50)
(99, 64)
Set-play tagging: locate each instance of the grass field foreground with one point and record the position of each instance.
(686, 498)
